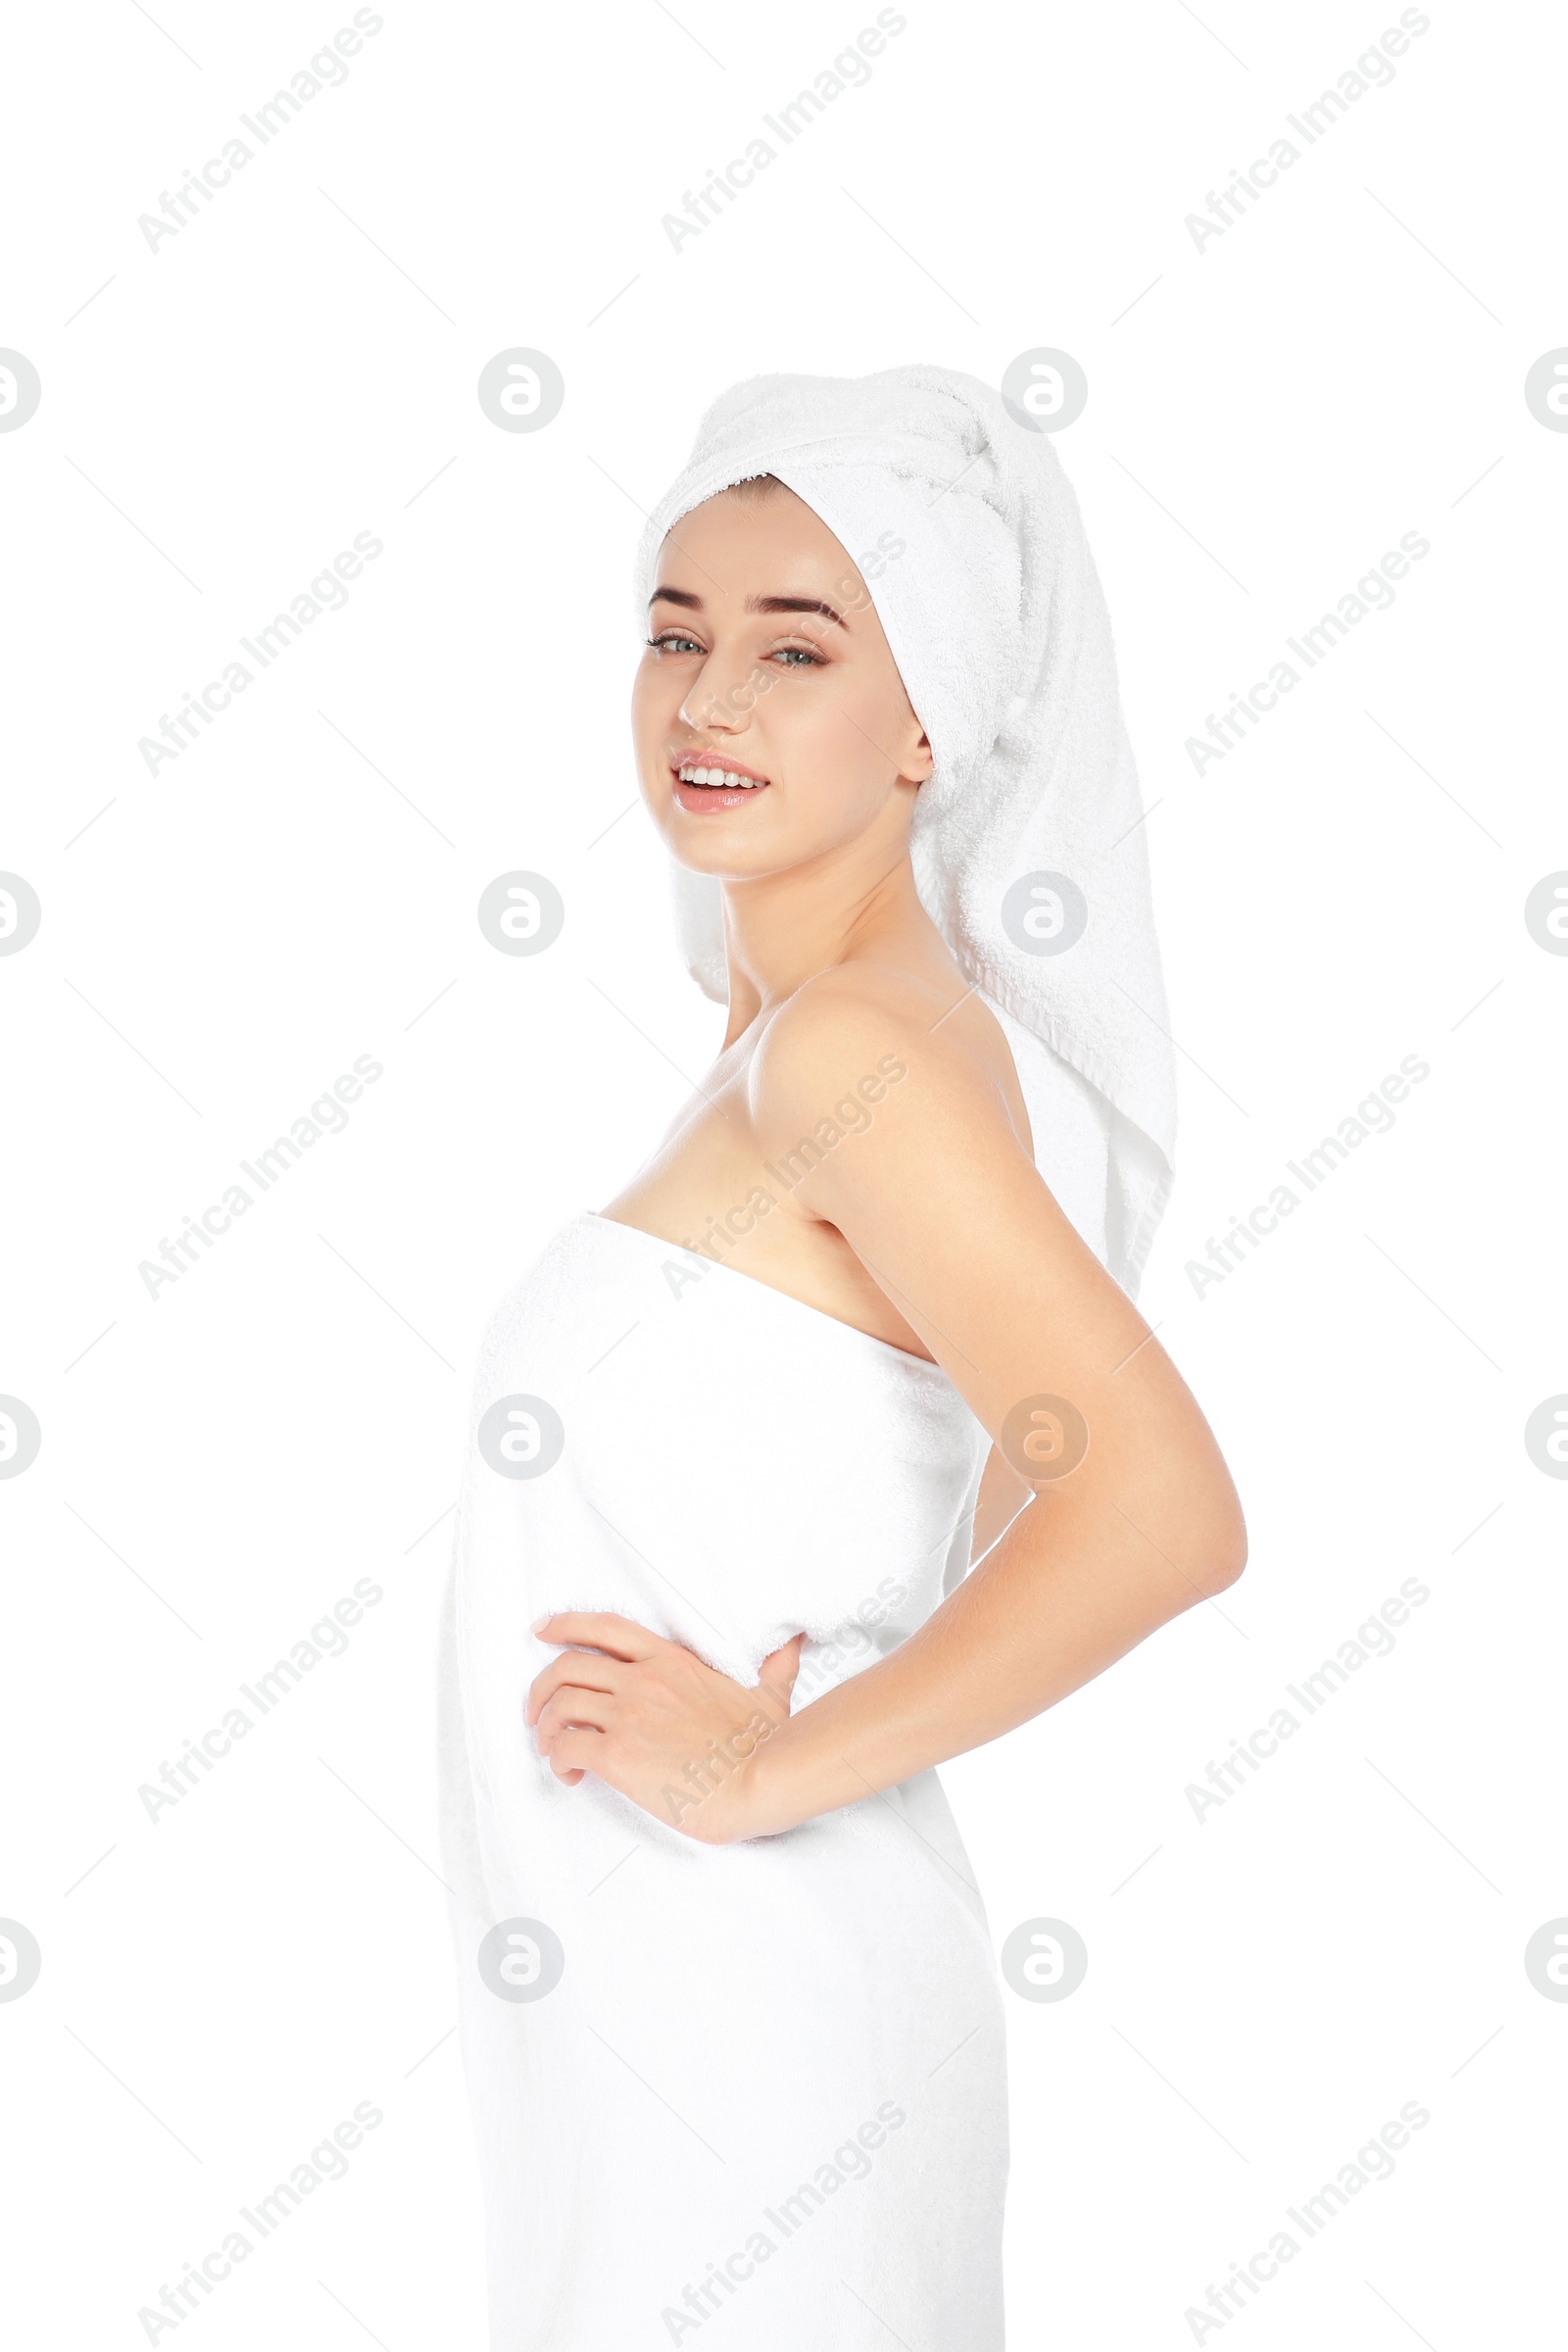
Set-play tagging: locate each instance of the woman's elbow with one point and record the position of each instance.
(1221, 1555)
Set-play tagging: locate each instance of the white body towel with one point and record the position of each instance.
(764, 2104)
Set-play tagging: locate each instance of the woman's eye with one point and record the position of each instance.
(673, 642)
(794, 655)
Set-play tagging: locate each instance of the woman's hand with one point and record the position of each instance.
(653, 1720)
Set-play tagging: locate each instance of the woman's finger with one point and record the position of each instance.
(570, 1705)
(576, 1751)
(600, 1629)
(585, 1669)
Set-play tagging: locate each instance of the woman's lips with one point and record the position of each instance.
(707, 798)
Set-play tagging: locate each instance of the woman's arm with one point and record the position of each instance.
(942, 1205)
(940, 1201)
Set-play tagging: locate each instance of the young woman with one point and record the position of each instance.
(731, 2013)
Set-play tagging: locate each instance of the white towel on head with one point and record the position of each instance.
(996, 618)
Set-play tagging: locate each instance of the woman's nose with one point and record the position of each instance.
(720, 697)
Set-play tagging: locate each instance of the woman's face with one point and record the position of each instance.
(766, 661)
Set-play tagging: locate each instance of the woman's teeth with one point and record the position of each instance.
(721, 775)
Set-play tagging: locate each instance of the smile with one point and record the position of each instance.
(722, 776)
(708, 781)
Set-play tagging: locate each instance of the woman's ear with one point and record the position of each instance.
(921, 761)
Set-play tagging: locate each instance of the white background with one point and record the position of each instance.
(219, 1465)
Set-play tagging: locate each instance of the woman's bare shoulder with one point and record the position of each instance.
(862, 1025)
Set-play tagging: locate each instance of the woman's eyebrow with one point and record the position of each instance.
(753, 604)
(791, 604)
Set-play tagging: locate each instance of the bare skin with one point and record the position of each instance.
(927, 1224)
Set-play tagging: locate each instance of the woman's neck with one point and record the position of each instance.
(781, 929)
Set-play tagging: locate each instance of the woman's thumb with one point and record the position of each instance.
(779, 1670)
